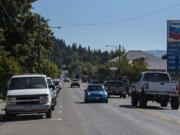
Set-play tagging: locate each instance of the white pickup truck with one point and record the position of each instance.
(155, 86)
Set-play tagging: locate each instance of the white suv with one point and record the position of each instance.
(29, 94)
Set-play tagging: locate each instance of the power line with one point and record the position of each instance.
(123, 20)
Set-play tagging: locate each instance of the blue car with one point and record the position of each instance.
(95, 93)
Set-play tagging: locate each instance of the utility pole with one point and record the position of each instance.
(38, 46)
(119, 65)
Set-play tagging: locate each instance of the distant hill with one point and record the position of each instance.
(157, 53)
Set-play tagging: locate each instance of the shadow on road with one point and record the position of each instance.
(148, 107)
(80, 103)
(90, 102)
(20, 118)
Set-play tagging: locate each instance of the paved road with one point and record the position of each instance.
(73, 117)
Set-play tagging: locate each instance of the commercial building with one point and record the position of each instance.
(152, 62)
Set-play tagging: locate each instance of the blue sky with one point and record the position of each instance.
(148, 33)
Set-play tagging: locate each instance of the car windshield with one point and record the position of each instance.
(116, 84)
(95, 88)
(156, 77)
(56, 82)
(27, 83)
(49, 81)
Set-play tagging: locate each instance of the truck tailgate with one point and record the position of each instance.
(161, 86)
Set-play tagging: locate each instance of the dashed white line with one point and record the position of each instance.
(56, 119)
(60, 112)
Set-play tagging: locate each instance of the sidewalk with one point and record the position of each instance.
(2, 106)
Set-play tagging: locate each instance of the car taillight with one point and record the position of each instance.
(177, 88)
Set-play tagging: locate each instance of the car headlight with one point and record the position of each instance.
(88, 94)
(11, 100)
(105, 94)
(44, 99)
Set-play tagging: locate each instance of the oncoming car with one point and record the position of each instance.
(75, 83)
(95, 92)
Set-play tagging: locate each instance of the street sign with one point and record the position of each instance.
(173, 46)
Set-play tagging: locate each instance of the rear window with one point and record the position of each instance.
(156, 77)
(27, 83)
(56, 82)
(95, 88)
(116, 84)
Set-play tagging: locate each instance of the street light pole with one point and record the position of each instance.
(119, 52)
(38, 46)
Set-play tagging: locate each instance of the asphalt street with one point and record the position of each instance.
(74, 117)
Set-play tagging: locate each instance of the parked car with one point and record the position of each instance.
(116, 87)
(54, 91)
(95, 92)
(155, 86)
(58, 84)
(75, 83)
(28, 94)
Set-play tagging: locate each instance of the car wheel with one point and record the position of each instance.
(9, 116)
(134, 99)
(85, 101)
(175, 103)
(124, 95)
(142, 101)
(164, 104)
(49, 113)
(53, 107)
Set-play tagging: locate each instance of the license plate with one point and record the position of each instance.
(97, 97)
(27, 108)
(162, 93)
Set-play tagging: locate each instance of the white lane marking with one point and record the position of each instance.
(56, 119)
(60, 112)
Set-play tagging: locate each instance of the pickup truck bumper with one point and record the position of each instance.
(161, 93)
(27, 109)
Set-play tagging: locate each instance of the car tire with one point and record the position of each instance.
(175, 103)
(124, 95)
(9, 116)
(164, 104)
(49, 113)
(134, 99)
(53, 107)
(142, 101)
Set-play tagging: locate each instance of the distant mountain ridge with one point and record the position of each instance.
(157, 53)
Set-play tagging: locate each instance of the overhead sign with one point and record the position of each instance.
(173, 46)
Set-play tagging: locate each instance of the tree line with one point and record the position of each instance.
(83, 62)
(27, 45)
(24, 36)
